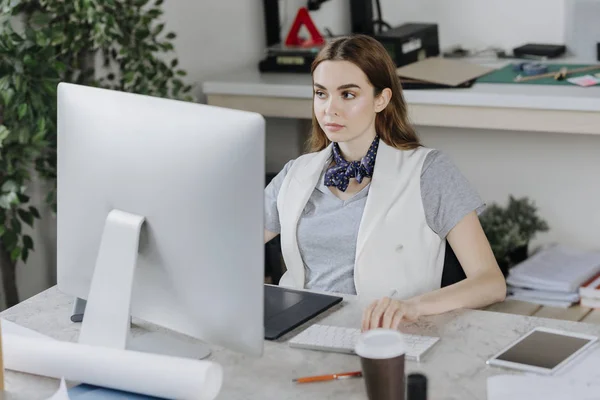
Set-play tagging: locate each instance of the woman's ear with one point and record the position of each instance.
(383, 99)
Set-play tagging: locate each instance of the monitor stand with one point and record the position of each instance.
(107, 318)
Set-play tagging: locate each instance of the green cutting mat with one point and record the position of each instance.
(507, 75)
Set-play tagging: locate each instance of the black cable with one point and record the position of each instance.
(378, 7)
(314, 5)
(379, 22)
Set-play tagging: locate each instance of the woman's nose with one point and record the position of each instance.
(332, 107)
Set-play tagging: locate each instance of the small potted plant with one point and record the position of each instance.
(510, 229)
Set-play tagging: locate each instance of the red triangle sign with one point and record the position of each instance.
(302, 18)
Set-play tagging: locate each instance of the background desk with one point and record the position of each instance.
(517, 107)
(455, 366)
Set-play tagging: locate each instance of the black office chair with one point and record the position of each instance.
(274, 267)
(453, 272)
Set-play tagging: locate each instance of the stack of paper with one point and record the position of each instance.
(590, 292)
(553, 276)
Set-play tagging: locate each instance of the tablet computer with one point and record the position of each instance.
(543, 350)
(285, 308)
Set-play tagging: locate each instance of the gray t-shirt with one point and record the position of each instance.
(328, 227)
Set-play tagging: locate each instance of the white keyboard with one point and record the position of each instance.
(342, 340)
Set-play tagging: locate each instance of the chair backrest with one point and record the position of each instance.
(453, 271)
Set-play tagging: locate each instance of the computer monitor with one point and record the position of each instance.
(160, 216)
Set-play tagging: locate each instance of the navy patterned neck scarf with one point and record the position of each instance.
(339, 175)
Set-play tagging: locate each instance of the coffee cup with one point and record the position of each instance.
(381, 353)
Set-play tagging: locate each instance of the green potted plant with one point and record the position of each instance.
(43, 42)
(510, 229)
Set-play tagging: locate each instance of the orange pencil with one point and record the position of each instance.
(329, 377)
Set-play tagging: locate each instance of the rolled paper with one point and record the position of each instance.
(131, 371)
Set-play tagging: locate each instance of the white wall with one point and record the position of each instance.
(479, 24)
(215, 36)
(40, 270)
(558, 171)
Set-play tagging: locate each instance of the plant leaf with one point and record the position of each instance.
(50, 197)
(58, 37)
(7, 95)
(17, 82)
(22, 110)
(60, 66)
(4, 132)
(7, 200)
(4, 82)
(23, 198)
(10, 186)
(10, 239)
(34, 211)
(155, 13)
(15, 253)
(128, 77)
(16, 225)
(159, 28)
(40, 18)
(25, 255)
(27, 242)
(41, 125)
(23, 135)
(29, 61)
(26, 217)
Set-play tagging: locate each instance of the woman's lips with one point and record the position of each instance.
(334, 127)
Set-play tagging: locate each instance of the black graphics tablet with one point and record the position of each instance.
(285, 309)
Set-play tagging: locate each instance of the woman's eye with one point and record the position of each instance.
(348, 95)
(319, 94)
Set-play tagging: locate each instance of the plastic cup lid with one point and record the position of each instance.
(380, 344)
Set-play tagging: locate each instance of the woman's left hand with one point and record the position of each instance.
(388, 313)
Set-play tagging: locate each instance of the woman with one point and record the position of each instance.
(369, 209)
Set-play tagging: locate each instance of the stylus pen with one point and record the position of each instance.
(329, 377)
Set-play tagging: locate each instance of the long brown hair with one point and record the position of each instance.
(391, 124)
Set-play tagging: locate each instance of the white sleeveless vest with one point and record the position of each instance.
(396, 249)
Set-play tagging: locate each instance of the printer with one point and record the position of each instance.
(410, 42)
(406, 43)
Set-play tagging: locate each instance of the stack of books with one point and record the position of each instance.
(554, 276)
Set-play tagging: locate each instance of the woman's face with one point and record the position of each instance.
(344, 102)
